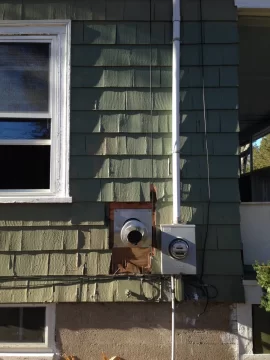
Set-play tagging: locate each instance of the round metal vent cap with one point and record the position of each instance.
(178, 249)
(133, 232)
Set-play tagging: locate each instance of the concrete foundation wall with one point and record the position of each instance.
(143, 331)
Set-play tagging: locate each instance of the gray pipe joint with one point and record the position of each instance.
(133, 232)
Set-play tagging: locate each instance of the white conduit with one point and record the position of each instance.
(173, 317)
(176, 112)
(175, 141)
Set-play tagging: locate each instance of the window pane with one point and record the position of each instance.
(25, 167)
(24, 77)
(261, 330)
(9, 324)
(33, 324)
(22, 324)
(24, 129)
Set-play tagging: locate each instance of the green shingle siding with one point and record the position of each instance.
(117, 10)
(221, 10)
(216, 262)
(192, 189)
(125, 77)
(139, 99)
(135, 122)
(53, 238)
(134, 144)
(112, 138)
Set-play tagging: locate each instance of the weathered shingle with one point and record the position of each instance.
(221, 54)
(220, 166)
(30, 264)
(46, 239)
(216, 262)
(221, 32)
(89, 167)
(85, 190)
(99, 33)
(93, 238)
(11, 10)
(98, 99)
(66, 264)
(117, 55)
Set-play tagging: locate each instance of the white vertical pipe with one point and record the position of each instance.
(173, 317)
(176, 113)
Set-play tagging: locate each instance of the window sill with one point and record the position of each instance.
(255, 357)
(25, 356)
(35, 200)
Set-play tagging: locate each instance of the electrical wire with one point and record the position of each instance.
(206, 148)
(65, 280)
(205, 287)
(85, 277)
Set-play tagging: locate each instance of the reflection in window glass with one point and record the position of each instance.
(24, 74)
(25, 166)
(22, 324)
(261, 153)
(13, 129)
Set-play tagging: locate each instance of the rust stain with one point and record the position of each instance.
(131, 260)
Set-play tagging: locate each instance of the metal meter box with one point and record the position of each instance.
(178, 249)
(132, 228)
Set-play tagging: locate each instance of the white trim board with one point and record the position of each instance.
(26, 356)
(253, 4)
(253, 292)
(58, 35)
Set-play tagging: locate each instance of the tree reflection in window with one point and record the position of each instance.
(20, 129)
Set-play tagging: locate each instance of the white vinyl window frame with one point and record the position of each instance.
(46, 349)
(58, 34)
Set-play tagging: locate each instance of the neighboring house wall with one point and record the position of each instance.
(111, 146)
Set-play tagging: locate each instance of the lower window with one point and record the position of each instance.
(22, 324)
(261, 330)
(27, 328)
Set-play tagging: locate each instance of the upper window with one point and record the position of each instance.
(34, 111)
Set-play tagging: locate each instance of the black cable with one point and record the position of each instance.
(206, 148)
(202, 285)
(86, 277)
(205, 242)
(208, 169)
(206, 304)
(72, 280)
